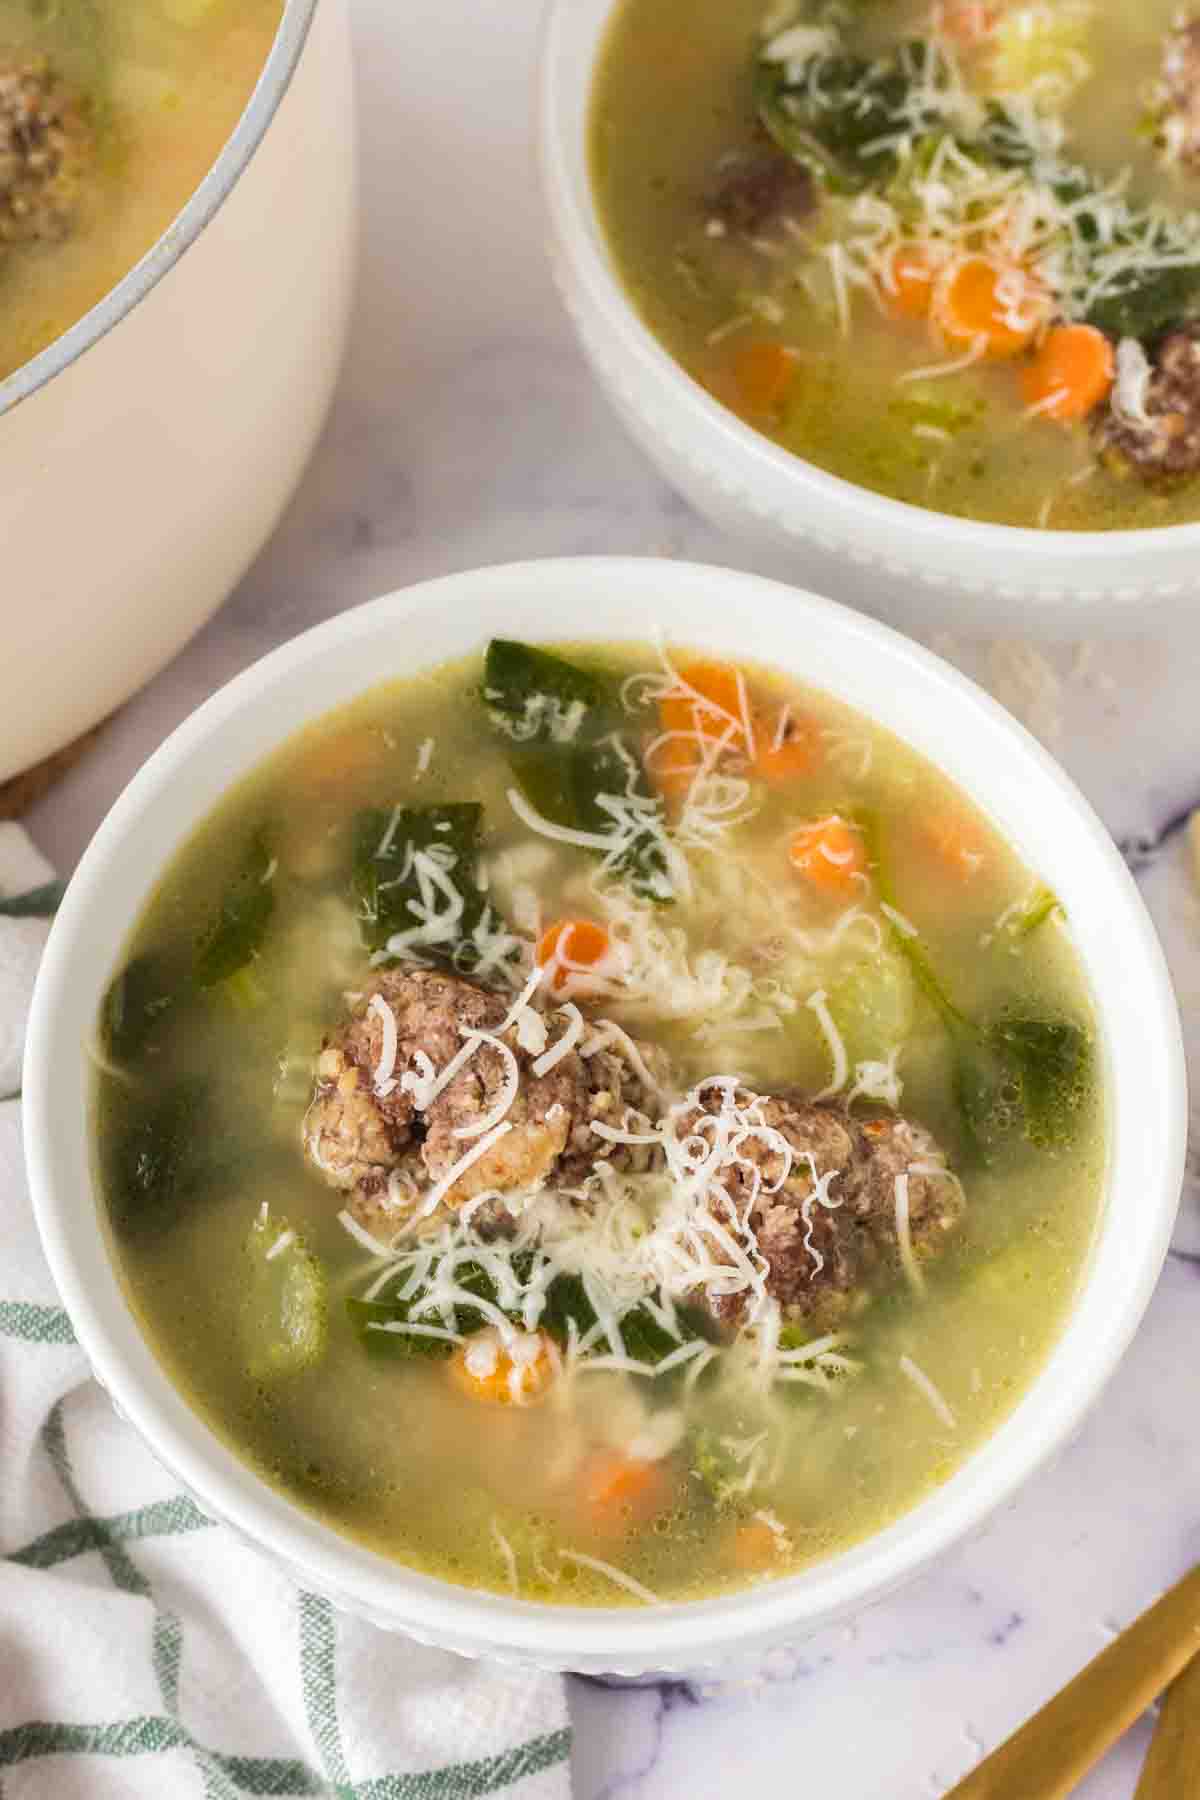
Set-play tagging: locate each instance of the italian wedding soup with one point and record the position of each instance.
(949, 252)
(111, 114)
(600, 1123)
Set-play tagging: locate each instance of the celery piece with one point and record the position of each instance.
(285, 1307)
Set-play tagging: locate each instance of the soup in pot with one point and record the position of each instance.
(111, 114)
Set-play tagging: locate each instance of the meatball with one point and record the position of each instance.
(935, 1201)
(1160, 440)
(823, 1229)
(384, 1142)
(1179, 118)
(757, 188)
(44, 146)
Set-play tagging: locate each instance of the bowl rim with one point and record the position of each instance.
(564, 114)
(201, 207)
(239, 724)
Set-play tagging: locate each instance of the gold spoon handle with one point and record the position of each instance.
(1172, 1770)
(1048, 1756)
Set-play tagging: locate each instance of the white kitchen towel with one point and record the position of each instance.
(145, 1650)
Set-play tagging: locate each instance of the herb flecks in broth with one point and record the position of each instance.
(658, 1214)
(954, 237)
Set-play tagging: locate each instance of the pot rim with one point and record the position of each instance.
(201, 207)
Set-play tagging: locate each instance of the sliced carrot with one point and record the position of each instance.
(486, 1370)
(333, 761)
(1071, 374)
(830, 853)
(572, 945)
(754, 1546)
(762, 375)
(785, 746)
(958, 844)
(671, 768)
(906, 287)
(967, 22)
(712, 706)
(620, 1492)
(977, 302)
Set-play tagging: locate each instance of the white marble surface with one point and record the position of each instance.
(466, 430)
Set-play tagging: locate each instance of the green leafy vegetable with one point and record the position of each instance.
(566, 1304)
(404, 861)
(839, 114)
(135, 1006)
(285, 1308)
(570, 753)
(235, 936)
(159, 1157)
(1143, 303)
(1042, 904)
(1012, 1075)
(537, 697)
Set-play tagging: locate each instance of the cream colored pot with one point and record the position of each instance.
(146, 455)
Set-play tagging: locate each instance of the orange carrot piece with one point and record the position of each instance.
(620, 1493)
(830, 854)
(762, 375)
(712, 708)
(671, 769)
(1071, 373)
(484, 1370)
(785, 747)
(967, 22)
(976, 302)
(334, 760)
(753, 1546)
(906, 289)
(958, 845)
(572, 945)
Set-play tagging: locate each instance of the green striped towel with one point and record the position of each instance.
(145, 1650)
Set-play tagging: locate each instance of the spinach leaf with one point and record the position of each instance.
(367, 1317)
(1012, 1075)
(568, 750)
(418, 860)
(235, 936)
(835, 113)
(159, 1157)
(136, 1004)
(1049, 1061)
(1143, 303)
(566, 1303)
(536, 697)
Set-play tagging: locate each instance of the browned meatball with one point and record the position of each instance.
(756, 189)
(44, 144)
(1164, 447)
(384, 1143)
(935, 1202)
(822, 1249)
(1179, 119)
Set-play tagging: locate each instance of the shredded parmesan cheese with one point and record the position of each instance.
(924, 1385)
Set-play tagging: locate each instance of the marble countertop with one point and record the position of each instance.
(466, 430)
